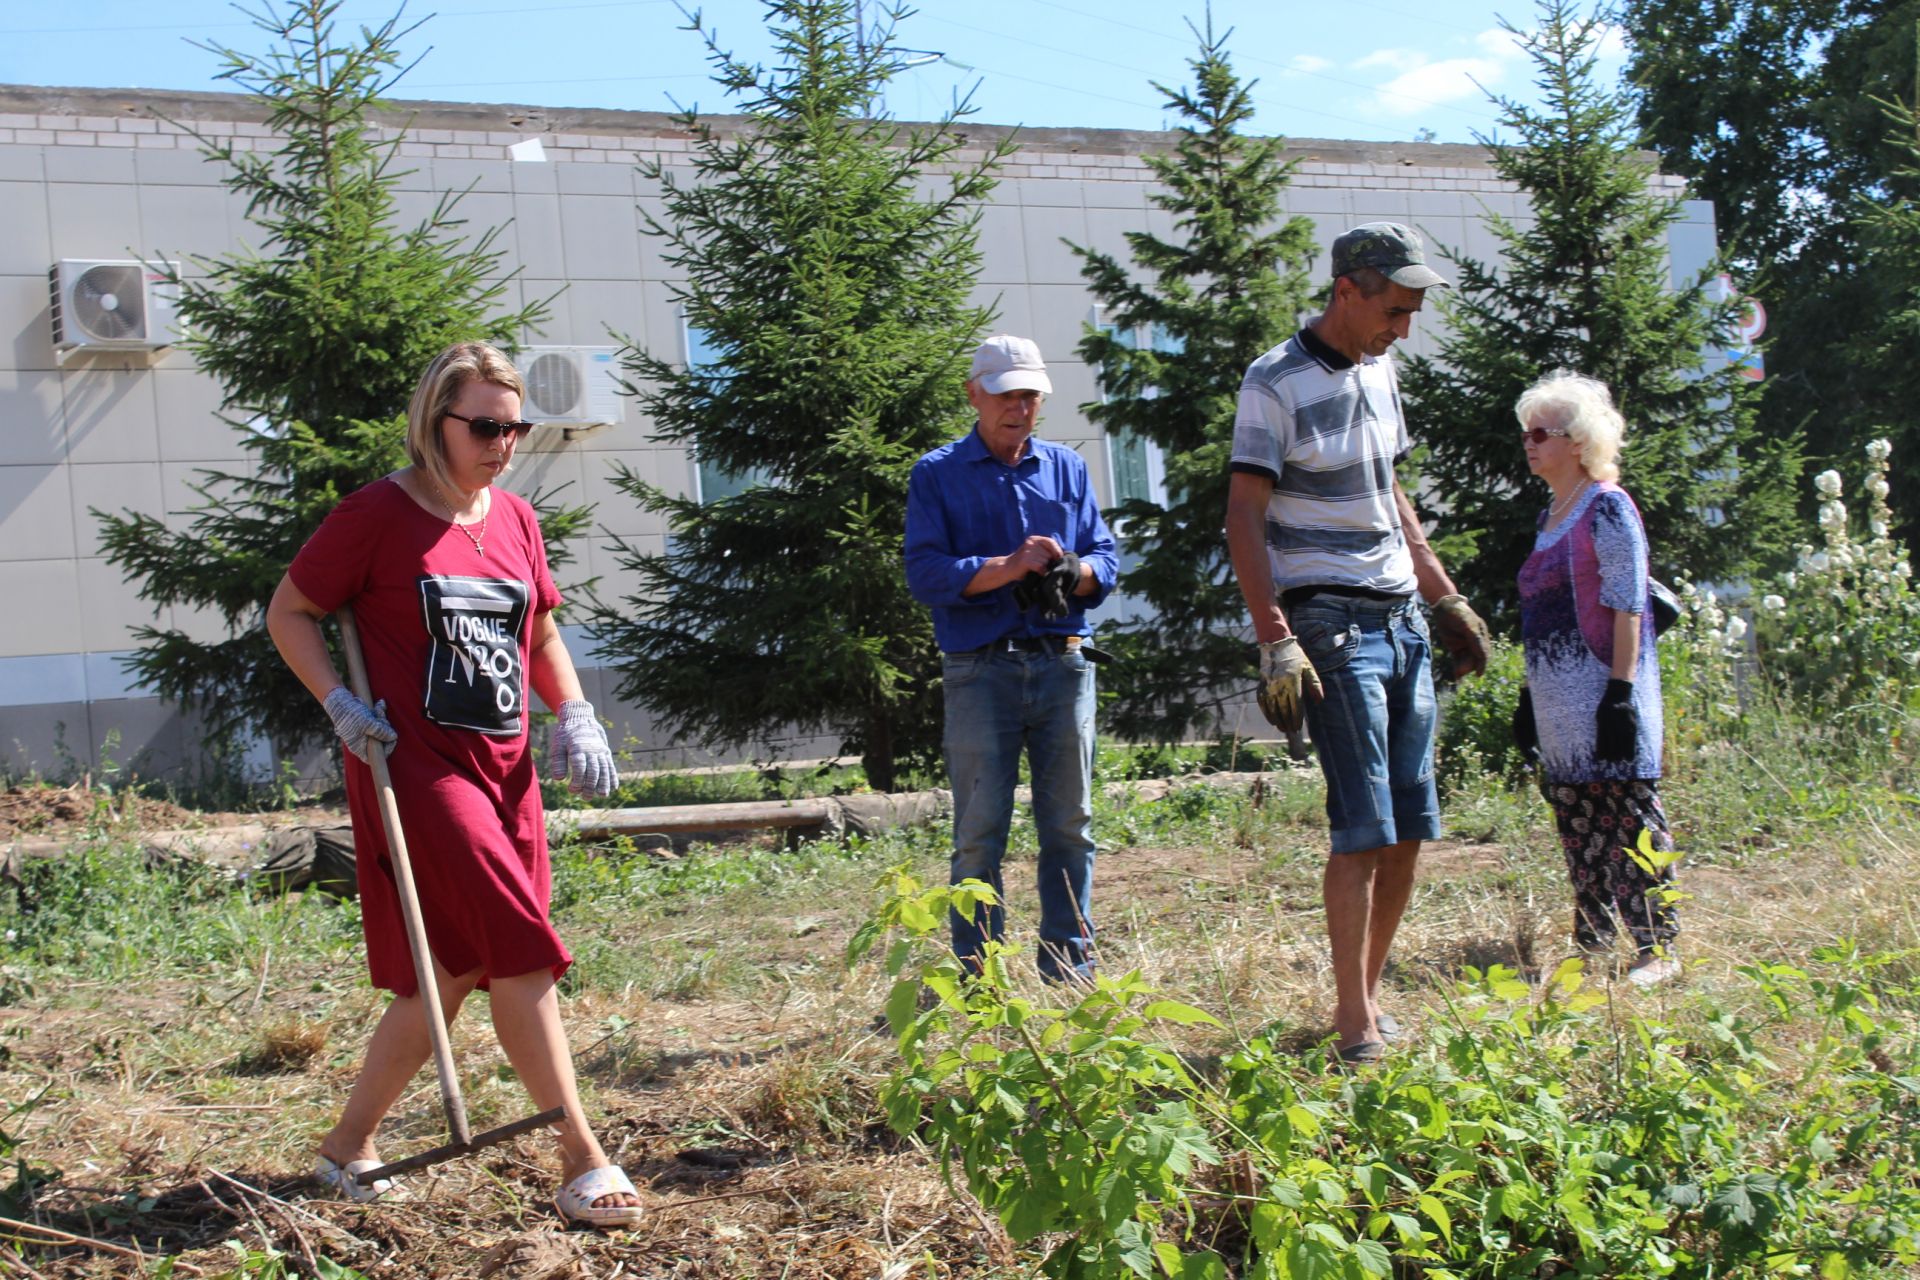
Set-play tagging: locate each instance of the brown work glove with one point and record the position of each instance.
(1287, 680)
(1462, 633)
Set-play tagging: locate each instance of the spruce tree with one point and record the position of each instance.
(1585, 287)
(827, 268)
(1888, 224)
(1228, 285)
(317, 338)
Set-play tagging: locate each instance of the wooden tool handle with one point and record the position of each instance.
(450, 1098)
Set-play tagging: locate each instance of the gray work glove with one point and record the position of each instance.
(1287, 680)
(355, 721)
(1462, 634)
(580, 752)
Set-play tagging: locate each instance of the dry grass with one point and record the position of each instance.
(183, 1114)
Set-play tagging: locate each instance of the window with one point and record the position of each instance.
(714, 482)
(1136, 466)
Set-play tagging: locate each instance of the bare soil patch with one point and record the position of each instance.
(48, 812)
(56, 811)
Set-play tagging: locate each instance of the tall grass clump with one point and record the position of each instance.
(105, 910)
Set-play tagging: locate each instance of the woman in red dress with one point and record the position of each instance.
(447, 576)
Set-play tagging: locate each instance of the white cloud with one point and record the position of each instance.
(1396, 59)
(1308, 63)
(1443, 83)
(1423, 81)
(1498, 42)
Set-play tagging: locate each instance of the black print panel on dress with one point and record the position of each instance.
(474, 676)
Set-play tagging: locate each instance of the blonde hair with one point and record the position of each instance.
(452, 369)
(1583, 407)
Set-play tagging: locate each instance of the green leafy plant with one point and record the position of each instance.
(262, 1264)
(1837, 637)
(1064, 1117)
(1538, 1131)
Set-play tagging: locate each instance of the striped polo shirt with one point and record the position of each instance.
(1327, 431)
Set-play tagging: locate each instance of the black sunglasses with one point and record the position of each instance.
(1540, 435)
(488, 429)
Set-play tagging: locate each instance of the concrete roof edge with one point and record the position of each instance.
(192, 107)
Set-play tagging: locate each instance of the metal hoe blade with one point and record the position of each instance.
(454, 1150)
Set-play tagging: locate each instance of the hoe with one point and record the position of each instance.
(464, 1141)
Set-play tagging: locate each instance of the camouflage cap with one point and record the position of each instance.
(1390, 248)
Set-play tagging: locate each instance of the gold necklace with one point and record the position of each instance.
(476, 541)
(1557, 509)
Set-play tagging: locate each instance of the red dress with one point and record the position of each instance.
(446, 634)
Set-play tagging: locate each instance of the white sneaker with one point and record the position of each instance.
(1653, 971)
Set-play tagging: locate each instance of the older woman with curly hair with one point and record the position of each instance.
(1591, 705)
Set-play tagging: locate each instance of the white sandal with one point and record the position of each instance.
(574, 1202)
(344, 1180)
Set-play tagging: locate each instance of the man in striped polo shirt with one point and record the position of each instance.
(1330, 557)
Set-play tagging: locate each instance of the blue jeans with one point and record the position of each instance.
(999, 703)
(1374, 729)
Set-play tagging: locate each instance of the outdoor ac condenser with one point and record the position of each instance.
(110, 305)
(572, 391)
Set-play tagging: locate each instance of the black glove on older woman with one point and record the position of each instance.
(1526, 733)
(1616, 724)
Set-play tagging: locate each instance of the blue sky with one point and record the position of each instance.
(1329, 71)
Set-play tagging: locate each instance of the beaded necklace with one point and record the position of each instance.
(1557, 509)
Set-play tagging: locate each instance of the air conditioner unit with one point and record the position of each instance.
(576, 389)
(110, 306)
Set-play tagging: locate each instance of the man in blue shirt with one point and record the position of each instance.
(1006, 545)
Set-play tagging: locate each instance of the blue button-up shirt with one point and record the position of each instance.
(965, 506)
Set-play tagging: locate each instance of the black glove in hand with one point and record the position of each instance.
(1526, 731)
(1026, 592)
(1057, 586)
(1616, 725)
(1051, 591)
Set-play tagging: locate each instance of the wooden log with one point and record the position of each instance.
(754, 815)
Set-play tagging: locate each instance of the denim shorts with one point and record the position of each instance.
(1374, 728)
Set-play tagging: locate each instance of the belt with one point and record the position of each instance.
(1027, 644)
(1055, 645)
(1294, 597)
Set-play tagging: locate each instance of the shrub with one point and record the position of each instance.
(1476, 722)
(1536, 1132)
(1838, 636)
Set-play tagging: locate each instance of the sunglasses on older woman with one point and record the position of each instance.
(1540, 435)
(488, 429)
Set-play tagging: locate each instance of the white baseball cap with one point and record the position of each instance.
(1007, 363)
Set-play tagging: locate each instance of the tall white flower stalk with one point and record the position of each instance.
(1841, 631)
